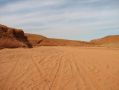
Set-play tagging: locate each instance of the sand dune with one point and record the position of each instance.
(108, 41)
(39, 40)
(59, 68)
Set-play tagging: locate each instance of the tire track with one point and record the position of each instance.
(56, 74)
(69, 81)
(22, 76)
(83, 71)
(81, 79)
(59, 75)
(67, 70)
(40, 73)
(5, 86)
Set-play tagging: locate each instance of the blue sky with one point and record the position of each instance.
(68, 19)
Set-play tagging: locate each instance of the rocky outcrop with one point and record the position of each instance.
(12, 38)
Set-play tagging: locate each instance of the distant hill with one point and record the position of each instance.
(110, 41)
(13, 38)
(35, 39)
(63, 42)
(39, 40)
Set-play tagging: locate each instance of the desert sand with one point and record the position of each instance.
(59, 68)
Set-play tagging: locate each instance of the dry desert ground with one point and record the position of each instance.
(59, 68)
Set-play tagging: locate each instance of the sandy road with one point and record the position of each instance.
(59, 68)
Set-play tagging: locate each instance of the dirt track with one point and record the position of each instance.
(59, 68)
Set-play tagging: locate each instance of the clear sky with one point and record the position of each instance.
(68, 19)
